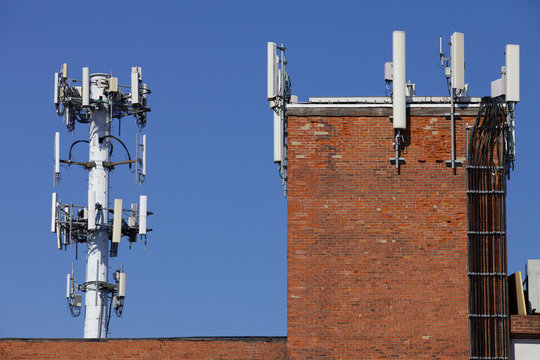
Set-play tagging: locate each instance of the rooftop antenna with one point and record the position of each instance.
(394, 76)
(454, 71)
(507, 88)
(96, 100)
(279, 95)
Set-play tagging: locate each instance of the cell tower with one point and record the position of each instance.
(96, 100)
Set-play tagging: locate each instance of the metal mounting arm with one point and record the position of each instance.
(398, 144)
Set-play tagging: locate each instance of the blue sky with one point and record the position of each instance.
(216, 260)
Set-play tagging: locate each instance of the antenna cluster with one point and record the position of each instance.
(506, 88)
(96, 100)
(73, 102)
(279, 95)
(454, 71)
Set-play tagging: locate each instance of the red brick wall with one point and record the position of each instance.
(200, 349)
(523, 326)
(377, 261)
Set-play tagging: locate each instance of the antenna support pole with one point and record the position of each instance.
(97, 259)
(453, 163)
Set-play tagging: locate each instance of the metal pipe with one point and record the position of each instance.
(453, 128)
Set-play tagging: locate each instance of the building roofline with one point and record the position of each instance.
(192, 338)
(378, 100)
(381, 106)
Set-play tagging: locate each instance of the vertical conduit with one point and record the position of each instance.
(487, 161)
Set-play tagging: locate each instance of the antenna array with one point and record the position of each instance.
(96, 100)
(507, 89)
(279, 95)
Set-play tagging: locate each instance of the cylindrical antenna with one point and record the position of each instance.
(399, 87)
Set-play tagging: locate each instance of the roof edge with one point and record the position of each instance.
(192, 338)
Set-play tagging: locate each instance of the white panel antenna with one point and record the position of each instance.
(143, 209)
(278, 138)
(498, 87)
(399, 87)
(56, 77)
(143, 156)
(91, 210)
(388, 71)
(272, 70)
(68, 286)
(59, 239)
(512, 73)
(135, 79)
(113, 84)
(122, 285)
(85, 86)
(457, 41)
(56, 157)
(54, 212)
(117, 221)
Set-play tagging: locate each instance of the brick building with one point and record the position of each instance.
(377, 259)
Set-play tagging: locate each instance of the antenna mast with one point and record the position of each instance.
(97, 102)
(279, 95)
(454, 71)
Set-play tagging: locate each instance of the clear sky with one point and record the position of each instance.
(216, 260)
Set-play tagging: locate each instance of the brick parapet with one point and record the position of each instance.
(525, 326)
(267, 348)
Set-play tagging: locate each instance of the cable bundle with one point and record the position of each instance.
(487, 160)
